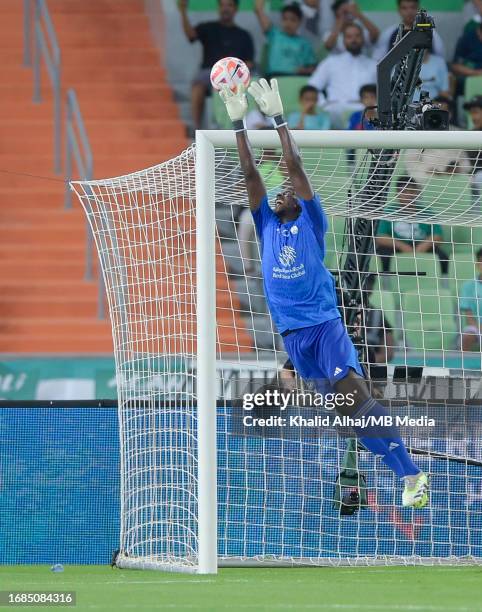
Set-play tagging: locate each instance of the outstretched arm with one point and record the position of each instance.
(264, 20)
(189, 31)
(269, 101)
(254, 183)
(298, 177)
(237, 106)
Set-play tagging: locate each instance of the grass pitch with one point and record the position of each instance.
(367, 589)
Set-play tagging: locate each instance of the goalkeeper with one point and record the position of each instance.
(300, 291)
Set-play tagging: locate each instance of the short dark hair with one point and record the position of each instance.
(399, 2)
(293, 8)
(306, 89)
(353, 24)
(478, 255)
(369, 88)
(405, 181)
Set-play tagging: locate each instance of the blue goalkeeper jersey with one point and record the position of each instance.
(300, 291)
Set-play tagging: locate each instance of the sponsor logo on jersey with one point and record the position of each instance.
(287, 256)
(337, 371)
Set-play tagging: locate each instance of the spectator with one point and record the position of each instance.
(423, 164)
(360, 120)
(342, 75)
(288, 52)
(471, 309)
(474, 107)
(434, 75)
(473, 23)
(407, 10)
(219, 39)
(468, 53)
(404, 237)
(310, 117)
(379, 333)
(347, 12)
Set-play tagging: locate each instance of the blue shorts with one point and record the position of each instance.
(322, 352)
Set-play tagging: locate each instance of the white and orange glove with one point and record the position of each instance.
(268, 99)
(236, 105)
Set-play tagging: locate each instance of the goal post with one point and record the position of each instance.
(191, 330)
(206, 352)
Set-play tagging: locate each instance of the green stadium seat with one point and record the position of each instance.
(462, 269)
(424, 269)
(329, 174)
(289, 88)
(334, 241)
(429, 321)
(385, 300)
(473, 86)
(449, 195)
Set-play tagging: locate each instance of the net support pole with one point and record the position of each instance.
(206, 354)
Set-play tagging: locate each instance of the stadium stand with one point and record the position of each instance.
(132, 122)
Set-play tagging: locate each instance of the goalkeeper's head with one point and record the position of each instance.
(287, 206)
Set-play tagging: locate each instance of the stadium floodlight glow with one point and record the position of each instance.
(187, 314)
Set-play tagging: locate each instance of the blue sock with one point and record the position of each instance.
(384, 441)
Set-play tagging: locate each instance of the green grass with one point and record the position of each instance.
(364, 589)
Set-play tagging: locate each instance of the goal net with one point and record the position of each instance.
(192, 334)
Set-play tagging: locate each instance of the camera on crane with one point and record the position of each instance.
(425, 115)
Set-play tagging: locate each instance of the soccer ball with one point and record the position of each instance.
(229, 71)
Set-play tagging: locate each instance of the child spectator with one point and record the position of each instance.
(219, 39)
(471, 308)
(346, 12)
(404, 237)
(310, 117)
(360, 120)
(468, 53)
(288, 53)
(407, 10)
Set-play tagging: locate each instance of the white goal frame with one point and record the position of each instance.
(206, 143)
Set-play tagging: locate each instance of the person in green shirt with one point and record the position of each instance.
(405, 237)
(288, 53)
(471, 308)
(310, 117)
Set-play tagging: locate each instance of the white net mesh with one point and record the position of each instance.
(275, 492)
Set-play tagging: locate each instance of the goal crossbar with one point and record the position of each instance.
(463, 139)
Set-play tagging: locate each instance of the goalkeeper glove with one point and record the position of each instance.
(268, 99)
(236, 105)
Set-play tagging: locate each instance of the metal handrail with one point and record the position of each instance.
(45, 46)
(27, 33)
(77, 148)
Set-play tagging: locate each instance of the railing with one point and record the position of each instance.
(77, 149)
(45, 46)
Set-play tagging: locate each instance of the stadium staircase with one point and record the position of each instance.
(132, 121)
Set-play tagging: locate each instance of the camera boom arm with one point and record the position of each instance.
(394, 94)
